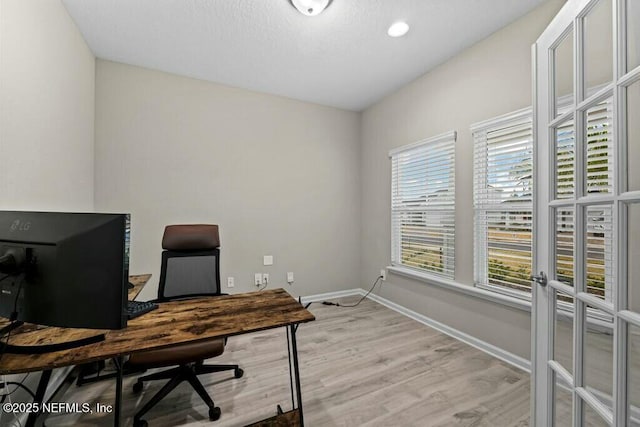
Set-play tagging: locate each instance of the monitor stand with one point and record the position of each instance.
(43, 348)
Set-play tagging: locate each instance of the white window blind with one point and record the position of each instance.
(599, 219)
(503, 202)
(423, 205)
(600, 148)
(598, 180)
(503, 189)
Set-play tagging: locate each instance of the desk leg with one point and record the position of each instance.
(293, 401)
(42, 388)
(296, 370)
(116, 413)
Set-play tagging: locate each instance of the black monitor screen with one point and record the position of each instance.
(64, 269)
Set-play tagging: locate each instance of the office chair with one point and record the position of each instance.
(190, 268)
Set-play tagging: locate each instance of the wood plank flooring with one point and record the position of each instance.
(363, 366)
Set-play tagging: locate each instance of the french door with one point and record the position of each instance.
(586, 311)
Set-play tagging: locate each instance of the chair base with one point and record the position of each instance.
(177, 375)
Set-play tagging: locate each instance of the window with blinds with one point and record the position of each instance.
(503, 202)
(599, 120)
(599, 218)
(503, 194)
(423, 205)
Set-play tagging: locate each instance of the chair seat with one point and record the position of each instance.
(178, 355)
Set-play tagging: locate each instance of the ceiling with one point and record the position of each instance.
(341, 58)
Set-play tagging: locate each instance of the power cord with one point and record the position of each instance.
(337, 304)
(12, 319)
(5, 385)
(14, 313)
(17, 384)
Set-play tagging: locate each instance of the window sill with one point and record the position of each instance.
(473, 291)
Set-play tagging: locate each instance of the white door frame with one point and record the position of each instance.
(544, 368)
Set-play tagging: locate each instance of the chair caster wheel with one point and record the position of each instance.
(238, 373)
(214, 414)
(137, 387)
(140, 423)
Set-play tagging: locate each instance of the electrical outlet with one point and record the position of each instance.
(383, 273)
(258, 279)
(230, 282)
(290, 277)
(265, 278)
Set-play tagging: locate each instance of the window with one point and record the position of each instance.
(503, 202)
(503, 194)
(423, 205)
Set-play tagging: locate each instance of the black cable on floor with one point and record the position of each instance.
(18, 385)
(337, 304)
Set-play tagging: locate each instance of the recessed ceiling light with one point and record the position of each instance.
(310, 7)
(398, 29)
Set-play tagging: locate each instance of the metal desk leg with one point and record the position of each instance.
(42, 388)
(116, 412)
(296, 370)
(293, 401)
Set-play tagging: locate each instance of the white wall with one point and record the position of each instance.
(489, 79)
(47, 75)
(280, 177)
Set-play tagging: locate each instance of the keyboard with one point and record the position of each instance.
(138, 308)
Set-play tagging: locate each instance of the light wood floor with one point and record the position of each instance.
(363, 366)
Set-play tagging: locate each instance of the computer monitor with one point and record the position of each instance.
(64, 269)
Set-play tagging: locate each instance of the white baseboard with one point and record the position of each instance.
(331, 295)
(490, 349)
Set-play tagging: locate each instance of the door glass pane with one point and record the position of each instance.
(633, 33)
(598, 355)
(564, 245)
(633, 255)
(565, 166)
(598, 47)
(633, 375)
(599, 132)
(633, 134)
(563, 75)
(591, 418)
(599, 249)
(563, 410)
(563, 338)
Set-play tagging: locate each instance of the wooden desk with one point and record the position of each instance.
(173, 323)
(138, 283)
(30, 334)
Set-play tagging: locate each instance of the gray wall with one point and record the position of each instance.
(47, 77)
(489, 79)
(280, 177)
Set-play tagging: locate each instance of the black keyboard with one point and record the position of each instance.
(138, 308)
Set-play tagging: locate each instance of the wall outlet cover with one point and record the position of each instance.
(267, 260)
